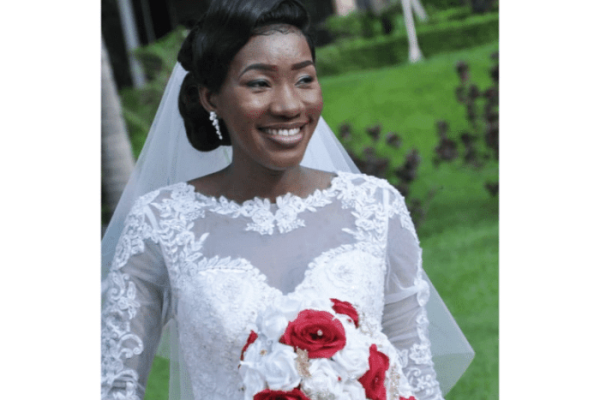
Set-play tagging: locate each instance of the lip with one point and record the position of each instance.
(284, 126)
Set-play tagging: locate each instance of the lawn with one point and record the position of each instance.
(460, 233)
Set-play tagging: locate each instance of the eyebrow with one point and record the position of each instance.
(267, 67)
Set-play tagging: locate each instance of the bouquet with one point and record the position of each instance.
(319, 349)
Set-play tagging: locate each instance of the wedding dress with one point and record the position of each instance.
(212, 265)
(204, 267)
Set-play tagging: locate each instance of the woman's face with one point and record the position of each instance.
(271, 100)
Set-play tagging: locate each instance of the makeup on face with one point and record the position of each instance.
(271, 100)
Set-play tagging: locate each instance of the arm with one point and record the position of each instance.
(406, 293)
(134, 309)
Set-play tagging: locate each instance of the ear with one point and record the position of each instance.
(207, 99)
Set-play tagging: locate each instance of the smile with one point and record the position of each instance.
(283, 132)
(285, 137)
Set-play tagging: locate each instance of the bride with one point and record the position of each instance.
(258, 206)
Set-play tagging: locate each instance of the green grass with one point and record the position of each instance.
(158, 381)
(460, 233)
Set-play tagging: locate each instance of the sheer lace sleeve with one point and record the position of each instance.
(135, 308)
(406, 293)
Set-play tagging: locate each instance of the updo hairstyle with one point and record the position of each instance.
(212, 44)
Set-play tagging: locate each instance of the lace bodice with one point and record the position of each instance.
(210, 265)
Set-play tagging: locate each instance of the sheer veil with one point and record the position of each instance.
(168, 158)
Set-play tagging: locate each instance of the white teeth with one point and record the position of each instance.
(283, 132)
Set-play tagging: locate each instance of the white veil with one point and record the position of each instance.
(168, 157)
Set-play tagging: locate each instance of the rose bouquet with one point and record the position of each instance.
(319, 349)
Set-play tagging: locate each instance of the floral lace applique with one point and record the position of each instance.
(418, 358)
(259, 210)
(118, 341)
(181, 203)
(398, 207)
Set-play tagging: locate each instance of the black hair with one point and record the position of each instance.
(212, 44)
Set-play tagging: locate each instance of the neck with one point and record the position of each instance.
(245, 181)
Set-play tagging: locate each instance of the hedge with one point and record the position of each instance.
(444, 4)
(451, 14)
(389, 50)
(354, 25)
(367, 25)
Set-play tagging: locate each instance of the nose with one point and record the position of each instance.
(287, 102)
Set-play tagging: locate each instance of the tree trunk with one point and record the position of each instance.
(132, 41)
(117, 159)
(419, 10)
(414, 53)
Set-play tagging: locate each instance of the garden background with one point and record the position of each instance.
(388, 113)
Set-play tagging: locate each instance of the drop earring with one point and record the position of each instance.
(215, 121)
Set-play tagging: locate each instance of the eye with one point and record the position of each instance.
(258, 83)
(305, 80)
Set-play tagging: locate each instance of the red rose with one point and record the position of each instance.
(251, 338)
(267, 394)
(374, 379)
(410, 398)
(317, 332)
(344, 307)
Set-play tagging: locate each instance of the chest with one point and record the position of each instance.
(222, 273)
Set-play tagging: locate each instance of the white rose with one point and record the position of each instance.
(254, 382)
(279, 368)
(272, 323)
(353, 359)
(324, 380)
(289, 306)
(255, 352)
(353, 390)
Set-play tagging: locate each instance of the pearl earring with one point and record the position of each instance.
(215, 121)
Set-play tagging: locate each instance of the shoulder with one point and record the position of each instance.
(181, 191)
(374, 186)
(363, 179)
(364, 192)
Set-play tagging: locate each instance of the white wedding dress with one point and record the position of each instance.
(210, 265)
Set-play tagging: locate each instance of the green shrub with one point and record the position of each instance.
(158, 58)
(367, 25)
(361, 24)
(354, 25)
(371, 25)
(394, 16)
(140, 105)
(455, 35)
(383, 51)
(451, 14)
(444, 4)
(344, 27)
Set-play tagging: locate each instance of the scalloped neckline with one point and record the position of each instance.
(262, 200)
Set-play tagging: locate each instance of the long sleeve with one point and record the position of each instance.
(135, 308)
(406, 293)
